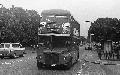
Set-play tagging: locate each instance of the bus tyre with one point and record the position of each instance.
(39, 65)
(69, 64)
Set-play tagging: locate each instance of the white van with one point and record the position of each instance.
(11, 50)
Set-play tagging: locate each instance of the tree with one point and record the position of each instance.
(105, 29)
(19, 25)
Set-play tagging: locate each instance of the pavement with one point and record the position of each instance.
(88, 65)
(92, 56)
(113, 66)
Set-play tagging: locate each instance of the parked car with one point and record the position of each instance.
(11, 50)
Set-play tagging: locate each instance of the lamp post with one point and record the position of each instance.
(89, 27)
(90, 34)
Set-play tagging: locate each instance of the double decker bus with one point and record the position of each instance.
(58, 39)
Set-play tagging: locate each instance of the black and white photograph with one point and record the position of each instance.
(59, 37)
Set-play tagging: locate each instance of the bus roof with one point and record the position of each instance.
(55, 12)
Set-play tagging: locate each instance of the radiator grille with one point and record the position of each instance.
(51, 58)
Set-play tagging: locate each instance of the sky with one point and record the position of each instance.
(82, 10)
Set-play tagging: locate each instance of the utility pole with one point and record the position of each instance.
(90, 34)
(89, 25)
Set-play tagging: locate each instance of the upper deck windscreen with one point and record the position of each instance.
(55, 20)
(59, 22)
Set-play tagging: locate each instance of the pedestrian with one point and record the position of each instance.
(113, 55)
(102, 54)
(106, 54)
(117, 55)
(109, 55)
(99, 55)
(34, 47)
(117, 52)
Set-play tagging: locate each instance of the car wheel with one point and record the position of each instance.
(77, 59)
(14, 56)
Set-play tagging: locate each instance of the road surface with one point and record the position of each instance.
(27, 66)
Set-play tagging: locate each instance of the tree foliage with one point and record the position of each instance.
(19, 25)
(105, 29)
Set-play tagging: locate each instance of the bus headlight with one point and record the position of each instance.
(67, 56)
(39, 57)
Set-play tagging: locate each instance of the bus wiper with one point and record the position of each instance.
(51, 23)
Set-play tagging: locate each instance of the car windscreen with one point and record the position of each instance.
(15, 45)
(7, 45)
(1, 45)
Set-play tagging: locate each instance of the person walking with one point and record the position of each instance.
(99, 54)
(109, 55)
(117, 52)
(112, 55)
(106, 54)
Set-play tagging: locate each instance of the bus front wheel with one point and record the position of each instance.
(69, 64)
(39, 65)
